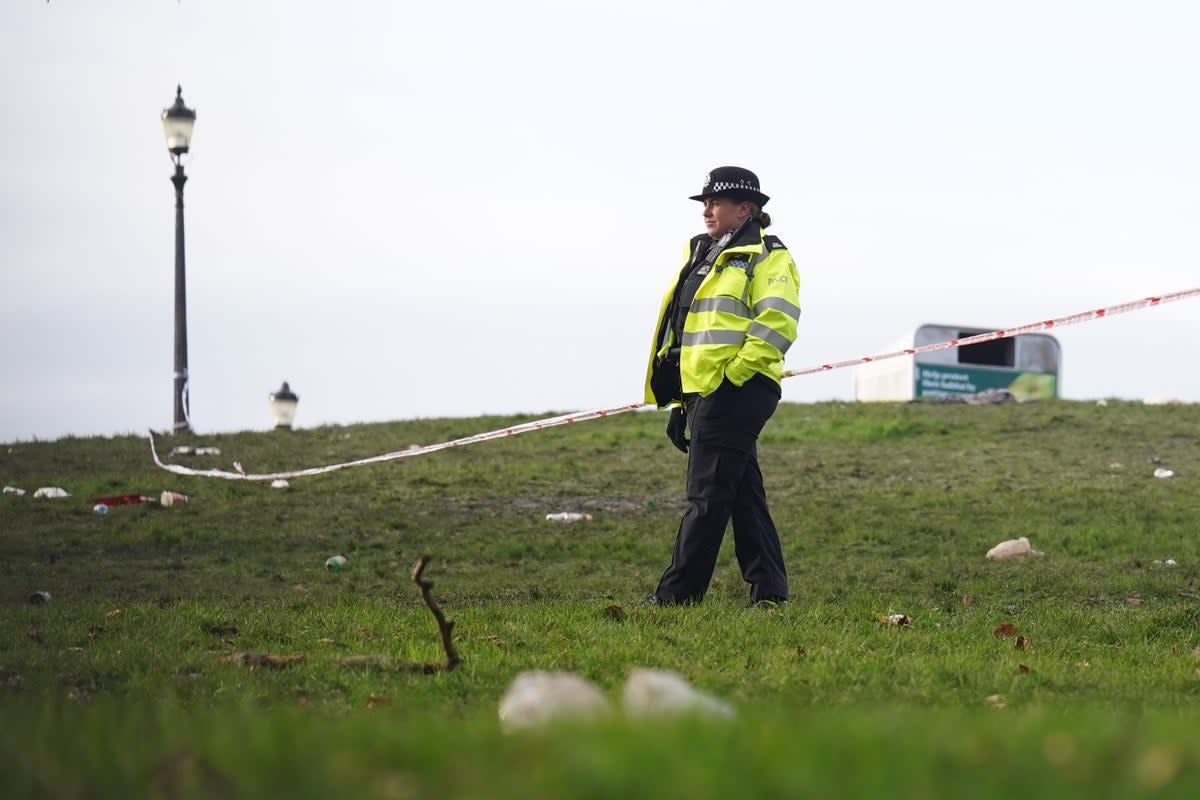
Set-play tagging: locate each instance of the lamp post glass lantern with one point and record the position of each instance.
(283, 406)
(178, 121)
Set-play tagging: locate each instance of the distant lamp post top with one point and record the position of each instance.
(283, 406)
(177, 124)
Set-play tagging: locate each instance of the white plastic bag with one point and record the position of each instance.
(536, 697)
(1012, 548)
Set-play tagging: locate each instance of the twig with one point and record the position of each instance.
(445, 626)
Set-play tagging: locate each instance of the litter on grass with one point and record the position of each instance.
(279, 483)
(13, 490)
(660, 692)
(185, 450)
(536, 697)
(122, 500)
(1012, 548)
(169, 498)
(569, 516)
(51, 491)
(1163, 473)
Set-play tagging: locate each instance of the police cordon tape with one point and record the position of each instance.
(583, 416)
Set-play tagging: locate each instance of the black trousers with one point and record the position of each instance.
(724, 483)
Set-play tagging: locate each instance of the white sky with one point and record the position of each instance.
(445, 209)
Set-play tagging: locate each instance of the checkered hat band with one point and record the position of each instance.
(720, 186)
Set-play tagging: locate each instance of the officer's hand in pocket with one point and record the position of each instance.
(677, 429)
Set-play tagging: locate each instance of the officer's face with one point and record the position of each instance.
(721, 215)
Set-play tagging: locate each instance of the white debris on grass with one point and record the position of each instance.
(51, 491)
(13, 490)
(186, 450)
(1012, 548)
(536, 697)
(279, 483)
(1162, 400)
(659, 692)
(1163, 473)
(569, 516)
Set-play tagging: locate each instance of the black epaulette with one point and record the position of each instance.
(772, 242)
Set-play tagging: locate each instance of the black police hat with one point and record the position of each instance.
(735, 182)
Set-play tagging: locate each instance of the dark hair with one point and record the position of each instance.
(763, 217)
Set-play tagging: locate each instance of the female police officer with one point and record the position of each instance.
(724, 326)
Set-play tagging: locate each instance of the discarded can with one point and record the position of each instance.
(100, 509)
(171, 498)
(39, 598)
(568, 516)
(335, 563)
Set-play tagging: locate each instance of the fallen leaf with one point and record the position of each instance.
(967, 599)
(801, 651)
(614, 612)
(375, 700)
(35, 634)
(1023, 669)
(114, 613)
(1133, 600)
(995, 700)
(1005, 629)
(1023, 644)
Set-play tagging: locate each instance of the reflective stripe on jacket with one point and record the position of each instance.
(737, 326)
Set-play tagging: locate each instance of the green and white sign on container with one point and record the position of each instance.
(1027, 366)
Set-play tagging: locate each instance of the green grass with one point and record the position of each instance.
(117, 687)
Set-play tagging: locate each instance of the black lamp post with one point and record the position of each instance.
(177, 124)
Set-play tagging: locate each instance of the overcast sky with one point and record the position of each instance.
(447, 209)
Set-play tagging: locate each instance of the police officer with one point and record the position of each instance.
(724, 326)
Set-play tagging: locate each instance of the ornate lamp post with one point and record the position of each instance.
(177, 124)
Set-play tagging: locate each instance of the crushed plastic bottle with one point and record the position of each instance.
(100, 509)
(169, 498)
(569, 516)
(335, 563)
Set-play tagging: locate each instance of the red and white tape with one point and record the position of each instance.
(583, 416)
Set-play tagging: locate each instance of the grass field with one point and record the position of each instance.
(120, 686)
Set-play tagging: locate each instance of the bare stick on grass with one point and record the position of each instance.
(445, 630)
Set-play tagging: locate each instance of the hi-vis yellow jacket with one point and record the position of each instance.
(741, 322)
